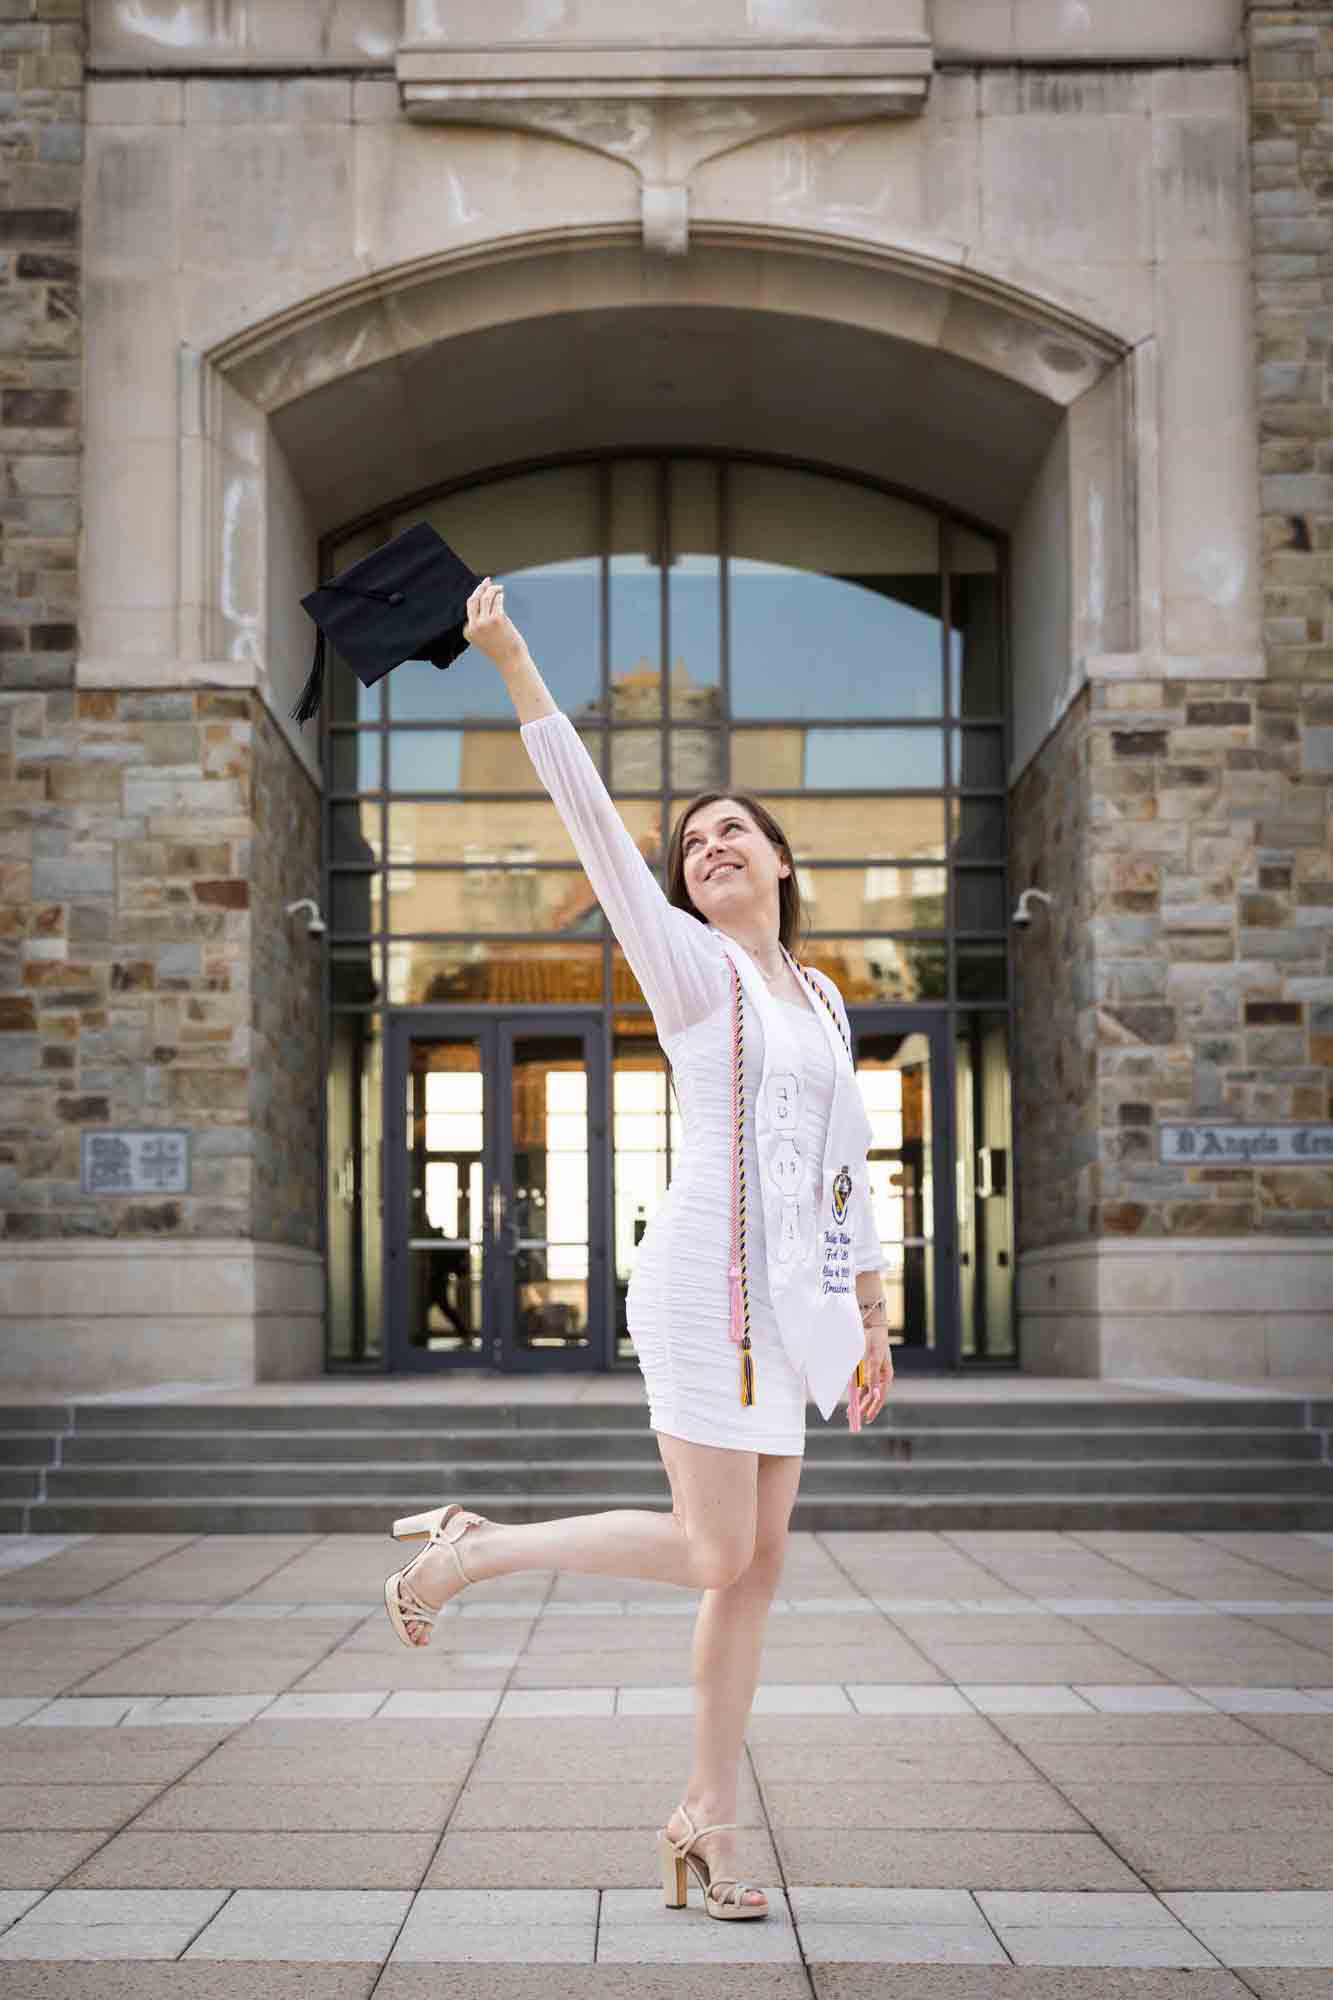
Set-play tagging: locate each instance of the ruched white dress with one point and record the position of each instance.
(678, 1305)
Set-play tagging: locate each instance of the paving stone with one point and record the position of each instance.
(1134, 1727)
(1181, 1860)
(909, 1764)
(901, 1944)
(557, 1701)
(331, 1926)
(1142, 1700)
(161, 1710)
(599, 1859)
(870, 1698)
(299, 1807)
(1260, 1701)
(934, 1805)
(1168, 1764)
(253, 1859)
(1013, 1698)
(17, 1708)
(13, 1902)
(38, 1860)
(1028, 1908)
(69, 1924)
(944, 1909)
(1124, 1947)
(56, 1807)
(1311, 1947)
(80, 1712)
(868, 1858)
(102, 1756)
(188, 1979)
(1197, 1809)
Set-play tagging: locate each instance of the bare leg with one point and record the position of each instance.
(728, 1647)
(706, 1540)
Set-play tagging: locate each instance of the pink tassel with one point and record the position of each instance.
(854, 1397)
(737, 1311)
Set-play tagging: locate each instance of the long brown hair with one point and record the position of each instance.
(789, 893)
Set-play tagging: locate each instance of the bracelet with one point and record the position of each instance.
(870, 1306)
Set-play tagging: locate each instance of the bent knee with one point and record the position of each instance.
(718, 1564)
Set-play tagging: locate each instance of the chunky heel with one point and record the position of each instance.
(417, 1527)
(673, 1872)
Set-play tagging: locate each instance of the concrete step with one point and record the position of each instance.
(1086, 1414)
(835, 1511)
(500, 1479)
(831, 1443)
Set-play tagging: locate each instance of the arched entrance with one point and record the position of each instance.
(1005, 419)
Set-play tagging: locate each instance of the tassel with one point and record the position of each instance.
(854, 1389)
(747, 1373)
(308, 703)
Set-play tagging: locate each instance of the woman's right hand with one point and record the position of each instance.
(488, 629)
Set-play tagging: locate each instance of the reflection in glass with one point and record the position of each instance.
(845, 828)
(635, 592)
(881, 968)
(636, 760)
(444, 830)
(835, 598)
(893, 1072)
(976, 650)
(696, 760)
(694, 590)
(446, 1196)
(468, 971)
(494, 892)
(549, 1238)
(837, 759)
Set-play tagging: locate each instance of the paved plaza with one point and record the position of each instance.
(1037, 1765)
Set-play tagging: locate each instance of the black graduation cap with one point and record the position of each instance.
(404, 601)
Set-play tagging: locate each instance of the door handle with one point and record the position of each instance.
(500, 1222)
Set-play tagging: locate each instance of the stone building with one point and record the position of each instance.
(915, 411)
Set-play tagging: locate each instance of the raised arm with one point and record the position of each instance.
(682, 974)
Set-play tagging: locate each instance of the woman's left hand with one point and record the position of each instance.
(878, 1373)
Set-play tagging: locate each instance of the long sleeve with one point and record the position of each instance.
(679, 969)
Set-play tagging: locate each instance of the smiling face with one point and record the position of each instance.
(732, 868)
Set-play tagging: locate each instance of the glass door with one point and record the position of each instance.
(902, 1067)
(495, 1192)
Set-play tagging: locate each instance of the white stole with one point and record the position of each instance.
(809, 1220)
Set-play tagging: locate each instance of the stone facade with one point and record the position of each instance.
(1185, 972)
(41, 313)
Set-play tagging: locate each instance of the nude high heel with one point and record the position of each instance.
(445, 1525)
(723, 1894)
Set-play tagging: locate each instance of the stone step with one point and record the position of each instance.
(978, 1413)
(832, 1442)
(503, 1478)
(1130, 1512)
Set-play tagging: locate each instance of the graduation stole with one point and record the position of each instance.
(738, 1273)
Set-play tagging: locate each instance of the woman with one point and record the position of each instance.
(732, 1446)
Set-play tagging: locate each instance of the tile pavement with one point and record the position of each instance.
(219, 1774)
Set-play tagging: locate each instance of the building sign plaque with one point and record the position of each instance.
(1246, 1145)
(154, 1162)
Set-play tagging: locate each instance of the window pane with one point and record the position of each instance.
(835, 598)
(980, 830)
(451, 761)
(694, 590)
(491, 896)
(855, 760)
(636, 760)
(845, 829)
(981, 758)
(423, 972)
(696, 760)
(976, 655)
(538, 535)
(355, 832)
(982, 972)
(881, 968)
(476, 830)
(978, 900)
(869, 897)
(635, 592)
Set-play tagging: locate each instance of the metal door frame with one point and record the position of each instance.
(495, 1030)
(936, 1024)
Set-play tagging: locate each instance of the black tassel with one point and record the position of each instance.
(308, 704)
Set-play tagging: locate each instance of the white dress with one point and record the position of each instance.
(678, 1305)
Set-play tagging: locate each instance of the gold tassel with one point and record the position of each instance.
(747, 1373)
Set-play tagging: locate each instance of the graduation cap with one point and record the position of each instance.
(404, 601)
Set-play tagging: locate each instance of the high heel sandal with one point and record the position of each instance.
(444, 1525)
(723, 1894)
